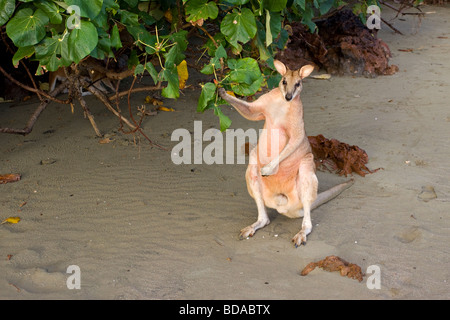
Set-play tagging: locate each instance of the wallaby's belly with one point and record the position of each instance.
(280, 190)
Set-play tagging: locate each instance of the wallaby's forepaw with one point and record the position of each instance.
(299, 239)
(222, 93)
(267, 171)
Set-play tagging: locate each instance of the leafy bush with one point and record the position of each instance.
(242, 37)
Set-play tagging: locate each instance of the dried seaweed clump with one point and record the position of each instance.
(335, 263)
(10, 177)
(340, 157)
(343, 45)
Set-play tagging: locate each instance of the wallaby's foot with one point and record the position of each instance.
(247, 232)
(250, 230)
(299, 239)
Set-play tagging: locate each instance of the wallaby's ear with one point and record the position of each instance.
(305, 71)
(281, 68)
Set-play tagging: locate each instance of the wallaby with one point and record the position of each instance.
(281, 171)
(98, 80)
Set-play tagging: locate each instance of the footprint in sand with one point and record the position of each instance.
(409, 235)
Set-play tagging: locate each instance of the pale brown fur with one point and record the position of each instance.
(97, 79)
(281, 172)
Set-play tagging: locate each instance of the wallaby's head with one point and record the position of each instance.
(291, 80)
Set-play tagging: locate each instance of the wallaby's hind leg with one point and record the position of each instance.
(307, 185)
(255, 189)
(322, 198)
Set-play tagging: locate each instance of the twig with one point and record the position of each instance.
(106, 101)
(8, 47)
(147, 88)
(129, 106)
(37, 91)
(88, 113)
(75, 89)
(35, 115)
(103, 98)
(17, 288)
(138, 126)
(391, 26)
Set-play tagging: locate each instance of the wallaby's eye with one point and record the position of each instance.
(297, 84)
(284, 82)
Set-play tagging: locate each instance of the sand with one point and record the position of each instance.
(140, 227)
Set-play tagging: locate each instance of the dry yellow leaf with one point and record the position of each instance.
(199, 22)
(105, 141)
(166, 109)
(153, 101)
(231, 93)
(324, 76)
(44, 86)
(168, 15)
(11, 220)
(183, 74)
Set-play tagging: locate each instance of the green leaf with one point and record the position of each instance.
(88, 9)
(300, 3)
(132, 3)
(275, 24)
(143, 37)
(275, 5)
(208, 68)
(82, 41)
(316, 4)
(264, 52)
(139, 69)
(172, 89)
(220, 52)
(103, 49)
(214, 63)
(152, 71)
(325, 6)
(115, 37)
(180, 39)
(245, 76)
(53, 52)
(239, 26)
(111, 6)
(273, 81)
(201, 9)
(6, 10)
(129, 18)
(224, 121)
(22, 52)
(51, 9)
(175, 54)
(236, 2)
(219, 39)
(133, 60)
(307, 18)
(27, 28)
(207, 94)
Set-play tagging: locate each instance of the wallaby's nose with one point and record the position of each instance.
(288, 97)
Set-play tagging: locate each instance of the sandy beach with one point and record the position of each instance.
(140, 227)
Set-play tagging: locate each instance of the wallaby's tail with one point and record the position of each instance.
(331, 193)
